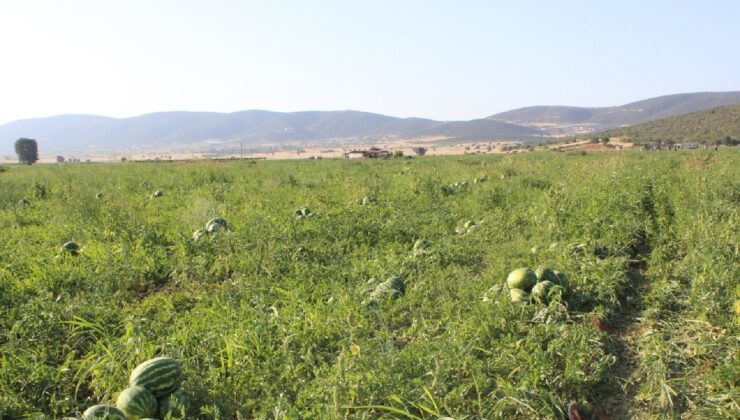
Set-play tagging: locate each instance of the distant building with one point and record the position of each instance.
(371, 153)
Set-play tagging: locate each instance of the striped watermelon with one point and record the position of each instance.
(175, 405)
(199, 234)
(70, 248)
(103, 412)
(161, 376)
(137, 402)
(216, 224)
(521, 278)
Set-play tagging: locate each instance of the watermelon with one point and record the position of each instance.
(160, 376)
(71, 247)
(215, 224)
(157, 194)
(303, 213)
(393, 288)
(562, 279)
(421, 246)
(556, 293)
(174, 405)
(199, 234)
(23, 202)
(541, 290)
(521, 278)
(545, 273)
(137, 402)
(368, 200)
(518, 295)
(470, 224)
(99, 196)
(103, 412)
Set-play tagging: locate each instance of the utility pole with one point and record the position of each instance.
(241, 150)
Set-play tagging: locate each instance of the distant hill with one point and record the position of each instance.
(703, 126)
(162, 130)
(255, 127)
(609, 117)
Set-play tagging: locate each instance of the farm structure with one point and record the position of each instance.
(371, 153)
(669, 146)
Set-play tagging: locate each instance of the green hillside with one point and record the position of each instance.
(632, 113)
(703, 126)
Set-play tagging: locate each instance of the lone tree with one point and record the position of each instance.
(27, 151)
(60, 159)
(420, 151)
(605, 140)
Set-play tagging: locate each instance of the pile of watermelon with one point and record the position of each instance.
(154, 392)
(214, 225)
(541, 286)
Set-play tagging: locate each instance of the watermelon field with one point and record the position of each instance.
(376, 289)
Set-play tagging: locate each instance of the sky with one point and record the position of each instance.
(446, 60)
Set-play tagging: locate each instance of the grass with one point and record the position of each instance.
(268, 321)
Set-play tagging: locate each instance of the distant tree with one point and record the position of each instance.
(398, 154)
(420, 151)
(605, 140)
(123, 159)
(60, 159)
(728, 140)
(594, 140)
(27, 151)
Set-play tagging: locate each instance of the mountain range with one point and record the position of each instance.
(257, 127)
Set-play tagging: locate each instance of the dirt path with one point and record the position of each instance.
(626, 327)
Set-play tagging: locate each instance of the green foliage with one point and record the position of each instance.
(27, 151)
(267, 317)
(698, 127)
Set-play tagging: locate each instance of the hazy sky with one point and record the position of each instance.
(450, 59)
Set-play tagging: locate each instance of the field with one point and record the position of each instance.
(270, 318)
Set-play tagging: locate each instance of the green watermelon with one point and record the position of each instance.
(103, 412)
(556, 293)
(199, 234)
(137, 402)
(157, 194)
(174, 405)
(562, 279)
(541, 290)
(99, 196)
(71, 247)
(545, 273)
(216, 224)
(421, 246)
(303, 213)
(518, 295)
(393, 288)
(370, 199)
(24, 202)
(521, 278)
(161, 375)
